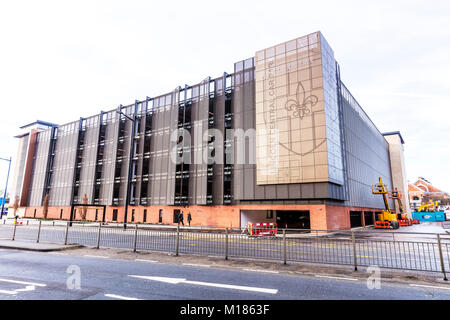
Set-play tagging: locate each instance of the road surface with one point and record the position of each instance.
(26, 275)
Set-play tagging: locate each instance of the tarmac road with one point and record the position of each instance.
(422, 254)
(26, 275)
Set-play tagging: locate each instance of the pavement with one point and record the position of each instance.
(34, 246)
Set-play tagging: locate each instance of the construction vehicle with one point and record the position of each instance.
(429, 212)
(430, 207)
(387, 219)
(402, 217)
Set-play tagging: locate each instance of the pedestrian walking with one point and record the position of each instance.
(189, 218)
(180, 218)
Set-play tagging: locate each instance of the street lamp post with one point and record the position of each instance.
(6, 187)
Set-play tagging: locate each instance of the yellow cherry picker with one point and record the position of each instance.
(386, 219)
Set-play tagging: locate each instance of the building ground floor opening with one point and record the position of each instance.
(356, 219)
(368, 218)
(294, 219)
(289, 219)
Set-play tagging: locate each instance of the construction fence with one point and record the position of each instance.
(385, 249)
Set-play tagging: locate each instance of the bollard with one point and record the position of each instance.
(226, 244)
(354, 251)
(441, 257)
(177, 246)
(28, 222)
(67, 232)
(284, 247)
(39, 231)
(135, 237)
(14, 230)
(53, 223)
(98, 234)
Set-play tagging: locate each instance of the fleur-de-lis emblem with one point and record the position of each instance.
(302, 105)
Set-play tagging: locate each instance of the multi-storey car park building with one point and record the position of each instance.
(289, 144)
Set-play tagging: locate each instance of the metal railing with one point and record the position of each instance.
(385, 249)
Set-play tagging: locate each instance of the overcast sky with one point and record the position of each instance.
(62, 60)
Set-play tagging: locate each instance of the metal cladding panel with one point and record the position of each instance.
(242, 107)
(39, 168)
(155, 155)
(367, 154)
(321, 191)
(198, 167)
(20, 165)
(307, 190)
(332, 130)
(282, 191)
(291, 107)
(219, 125)
(172, 127)
(127, 145)
(244, 175)
(259, 192)
(109, 158)
(89, 154)
(171, 164)
(249, 119)
(294, 191)
(64, 165)
(139, 147)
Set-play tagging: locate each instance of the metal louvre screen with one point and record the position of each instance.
(39, 168)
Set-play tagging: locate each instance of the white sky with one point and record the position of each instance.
(61, 60)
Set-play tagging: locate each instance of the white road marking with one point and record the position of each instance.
(206, 284)
(120, 297)
(143, 260)
(256, 270)
(24, 282)
(8, 292)
(27, 288)
(338, 278)
(91, 256)
(197, 265)
(432, 287)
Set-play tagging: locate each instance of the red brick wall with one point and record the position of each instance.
(322, 217)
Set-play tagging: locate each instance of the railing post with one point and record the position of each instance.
(67, 233)
(284, 247)
(226, 244)
(135, 237)
(39, 231)
(98, 234)
(14, 230)
(441, 257)
(354, 252)
(177, 246)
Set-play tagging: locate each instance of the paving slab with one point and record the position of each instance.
(34, 246)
